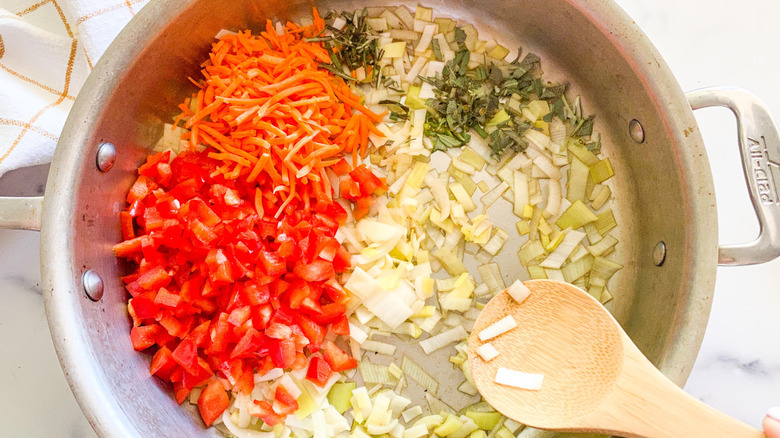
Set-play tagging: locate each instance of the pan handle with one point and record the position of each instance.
(759, 144)
(21, 213)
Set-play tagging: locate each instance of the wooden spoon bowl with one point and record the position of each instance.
(595, 378)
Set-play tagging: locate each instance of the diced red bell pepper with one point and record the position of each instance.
(314, 332)
(273, 264)
(144, 336)
(341, 326)
(186, 355)
(283, 353)
(139, 190)
(287, 402)
(264, 410)
(319, 371)
(128, 248)
(318, 270)
(162, 363)
(336, 358)
(247, 345)
(180, 391)
(143, 307)
(212, 402)
(165, 298)
(155, 278)
(342, 167)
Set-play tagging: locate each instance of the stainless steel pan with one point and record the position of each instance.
(663, 187)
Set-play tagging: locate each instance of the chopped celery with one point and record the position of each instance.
(339, 395)
(605, 222)
(605, 296)
(478, 434)
(483, 186)
(577, 215)
(602, 171)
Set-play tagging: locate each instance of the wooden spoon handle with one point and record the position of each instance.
(648, 405)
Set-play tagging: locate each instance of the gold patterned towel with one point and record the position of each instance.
(47, 49)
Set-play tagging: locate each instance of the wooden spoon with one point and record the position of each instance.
(595, 378)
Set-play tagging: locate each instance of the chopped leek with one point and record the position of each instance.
(443, 339)
(602, 270)
(491, 276)
(418, 374)
(602, 171)
(577, 215)
(605, 222)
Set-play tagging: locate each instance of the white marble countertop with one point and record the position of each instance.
(706, 43)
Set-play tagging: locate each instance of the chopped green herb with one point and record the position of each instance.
(354, 46)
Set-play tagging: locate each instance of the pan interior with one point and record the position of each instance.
(662, 188)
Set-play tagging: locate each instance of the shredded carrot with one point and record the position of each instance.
(267, 112)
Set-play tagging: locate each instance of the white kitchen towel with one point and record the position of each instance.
(47, 49)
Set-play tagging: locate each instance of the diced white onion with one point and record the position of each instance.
(518, 291)
(499, 327)
(519, 379)
(487, 351)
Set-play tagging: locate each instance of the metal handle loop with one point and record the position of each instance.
(759, 144)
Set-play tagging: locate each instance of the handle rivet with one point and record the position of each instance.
(659, 253)
(636, 131)
(106, 155)
(92, 284)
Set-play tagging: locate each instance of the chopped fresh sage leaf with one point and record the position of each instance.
(352, 47)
